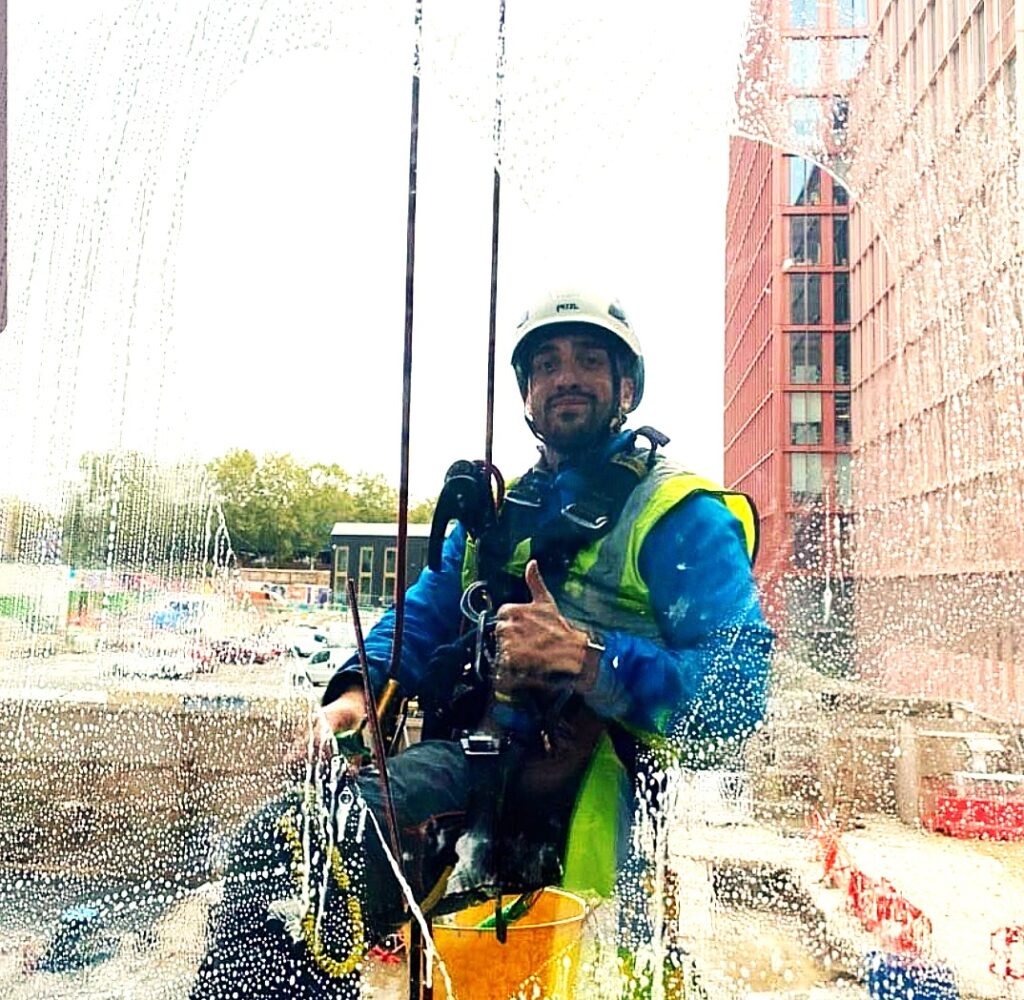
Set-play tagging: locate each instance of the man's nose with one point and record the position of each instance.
(568, 375)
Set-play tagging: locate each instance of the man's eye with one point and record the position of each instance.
(543, 366)
(592, 359)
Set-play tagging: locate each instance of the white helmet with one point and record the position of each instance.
(582, 308)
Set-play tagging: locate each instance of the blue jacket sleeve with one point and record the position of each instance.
(431, 620)
(709, 677)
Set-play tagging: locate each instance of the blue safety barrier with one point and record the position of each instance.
(899, 977)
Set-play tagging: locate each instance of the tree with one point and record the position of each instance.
(278, 510)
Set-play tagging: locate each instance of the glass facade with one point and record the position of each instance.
(850, 56)
(805, 418)
(804, 182)
(805, 357)
(852, 13)
(841, 240)
(841, 297)
(805, 239)
(844, 480)
(841, 357)
(805, 476)
(805, 299)
(805, 117)
(842, 417)
(803, 13)
(804, 62)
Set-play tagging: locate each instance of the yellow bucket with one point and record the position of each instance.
(542, 950)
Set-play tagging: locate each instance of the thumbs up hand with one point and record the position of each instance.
(536, 645)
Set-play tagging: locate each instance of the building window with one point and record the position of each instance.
(805, 357)
(365, 589)
(841, 297)
(805, 239)
(805, 418)
(340, 572)
(805, 117)
(841, 240)
(805, 299)
(840, 193)
(808, 534)
(850, 56)
(390, 572)
(840, 118)
(803, 13)
(804, 59)
(842, 415)
(841, 357)
(804, 476)
(804, 182)
(844, 480)
(853, 13)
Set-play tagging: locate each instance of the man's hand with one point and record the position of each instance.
(536, 645)
(343, 714)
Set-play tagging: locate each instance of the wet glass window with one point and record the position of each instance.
(390, 571)
(840, 110)
(808, 531)
(804, 182)
(805, 357)
(853, 13)
(840, 297)
(805, 418)
(844, 480)
(805, 239)
(805, 118)
(842, 417)
(365, 588)
(803, 13)
(805, 476)
(841, 357)
(804, 57)
(805, 298)
(340, 572)
(850, 56)
(841, 240)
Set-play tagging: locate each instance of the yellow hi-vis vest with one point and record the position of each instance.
(604, 590)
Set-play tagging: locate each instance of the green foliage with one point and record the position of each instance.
(278, 510)
(125, 509)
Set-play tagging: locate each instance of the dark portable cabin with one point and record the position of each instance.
(368, 553)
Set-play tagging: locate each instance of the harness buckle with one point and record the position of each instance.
(481, 745)
(583, 518)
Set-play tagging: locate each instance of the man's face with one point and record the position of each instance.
(569, 398)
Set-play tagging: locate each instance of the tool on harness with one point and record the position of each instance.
(466, 497)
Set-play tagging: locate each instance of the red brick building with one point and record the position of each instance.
(787, 312)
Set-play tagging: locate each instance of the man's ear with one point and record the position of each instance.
(627, 393)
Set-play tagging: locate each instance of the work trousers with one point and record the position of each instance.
(309, 886)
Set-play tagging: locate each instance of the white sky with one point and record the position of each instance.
(274, 318)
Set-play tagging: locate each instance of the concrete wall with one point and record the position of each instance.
(134, 787)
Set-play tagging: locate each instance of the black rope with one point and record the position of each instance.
(410, 264)
(495, 215)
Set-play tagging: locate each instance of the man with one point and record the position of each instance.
(626, 630)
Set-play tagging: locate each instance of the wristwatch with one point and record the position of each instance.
(592, 654)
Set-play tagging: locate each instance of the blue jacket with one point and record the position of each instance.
(709, 676)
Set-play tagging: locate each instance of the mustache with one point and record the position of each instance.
(570, 394)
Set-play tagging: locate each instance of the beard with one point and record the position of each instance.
(576, 431)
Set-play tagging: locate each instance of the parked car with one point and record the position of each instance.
(159, 666)
(180, 614)
(319, 668)
(304, 640)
